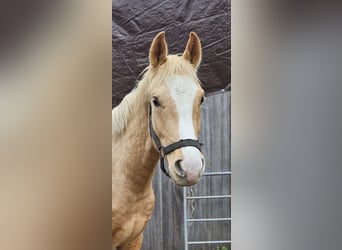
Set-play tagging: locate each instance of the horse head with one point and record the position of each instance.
(175, 97)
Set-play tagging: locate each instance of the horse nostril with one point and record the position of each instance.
(178, 169)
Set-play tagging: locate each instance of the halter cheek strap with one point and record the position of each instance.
(163, 151)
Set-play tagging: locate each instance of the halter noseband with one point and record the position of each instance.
(163, 151)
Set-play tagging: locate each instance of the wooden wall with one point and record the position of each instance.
(165, 230)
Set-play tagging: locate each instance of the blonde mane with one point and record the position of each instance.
(152, 77)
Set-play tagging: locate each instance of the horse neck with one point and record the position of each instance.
(141, 157)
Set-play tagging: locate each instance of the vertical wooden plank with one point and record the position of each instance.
(173, 216)
(168, 216)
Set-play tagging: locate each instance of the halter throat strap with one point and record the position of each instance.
(163, 151)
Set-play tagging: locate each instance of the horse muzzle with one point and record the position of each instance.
(188, 170)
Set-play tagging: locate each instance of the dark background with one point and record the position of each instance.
(135, 24)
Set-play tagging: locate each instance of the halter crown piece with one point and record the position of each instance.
(163, 151)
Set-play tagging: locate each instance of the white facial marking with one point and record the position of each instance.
(183, 91)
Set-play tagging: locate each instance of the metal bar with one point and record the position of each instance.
(209, 242)
(217, 173)
(209, 197)
(185, 220)
(210, 219)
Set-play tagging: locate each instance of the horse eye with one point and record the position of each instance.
(156, 102)
(202, 99)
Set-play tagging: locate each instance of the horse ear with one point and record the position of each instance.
(193, 50)
(158, 50)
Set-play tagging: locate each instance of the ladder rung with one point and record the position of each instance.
(217, 173)
(209, 219)
(208, 242)
(208, 197)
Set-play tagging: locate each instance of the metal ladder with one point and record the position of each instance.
(185, 212)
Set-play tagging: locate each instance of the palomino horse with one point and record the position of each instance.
(159, 118)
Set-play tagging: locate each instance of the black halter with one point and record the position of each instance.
(168, 149)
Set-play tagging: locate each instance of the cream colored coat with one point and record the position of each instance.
(134, 156)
